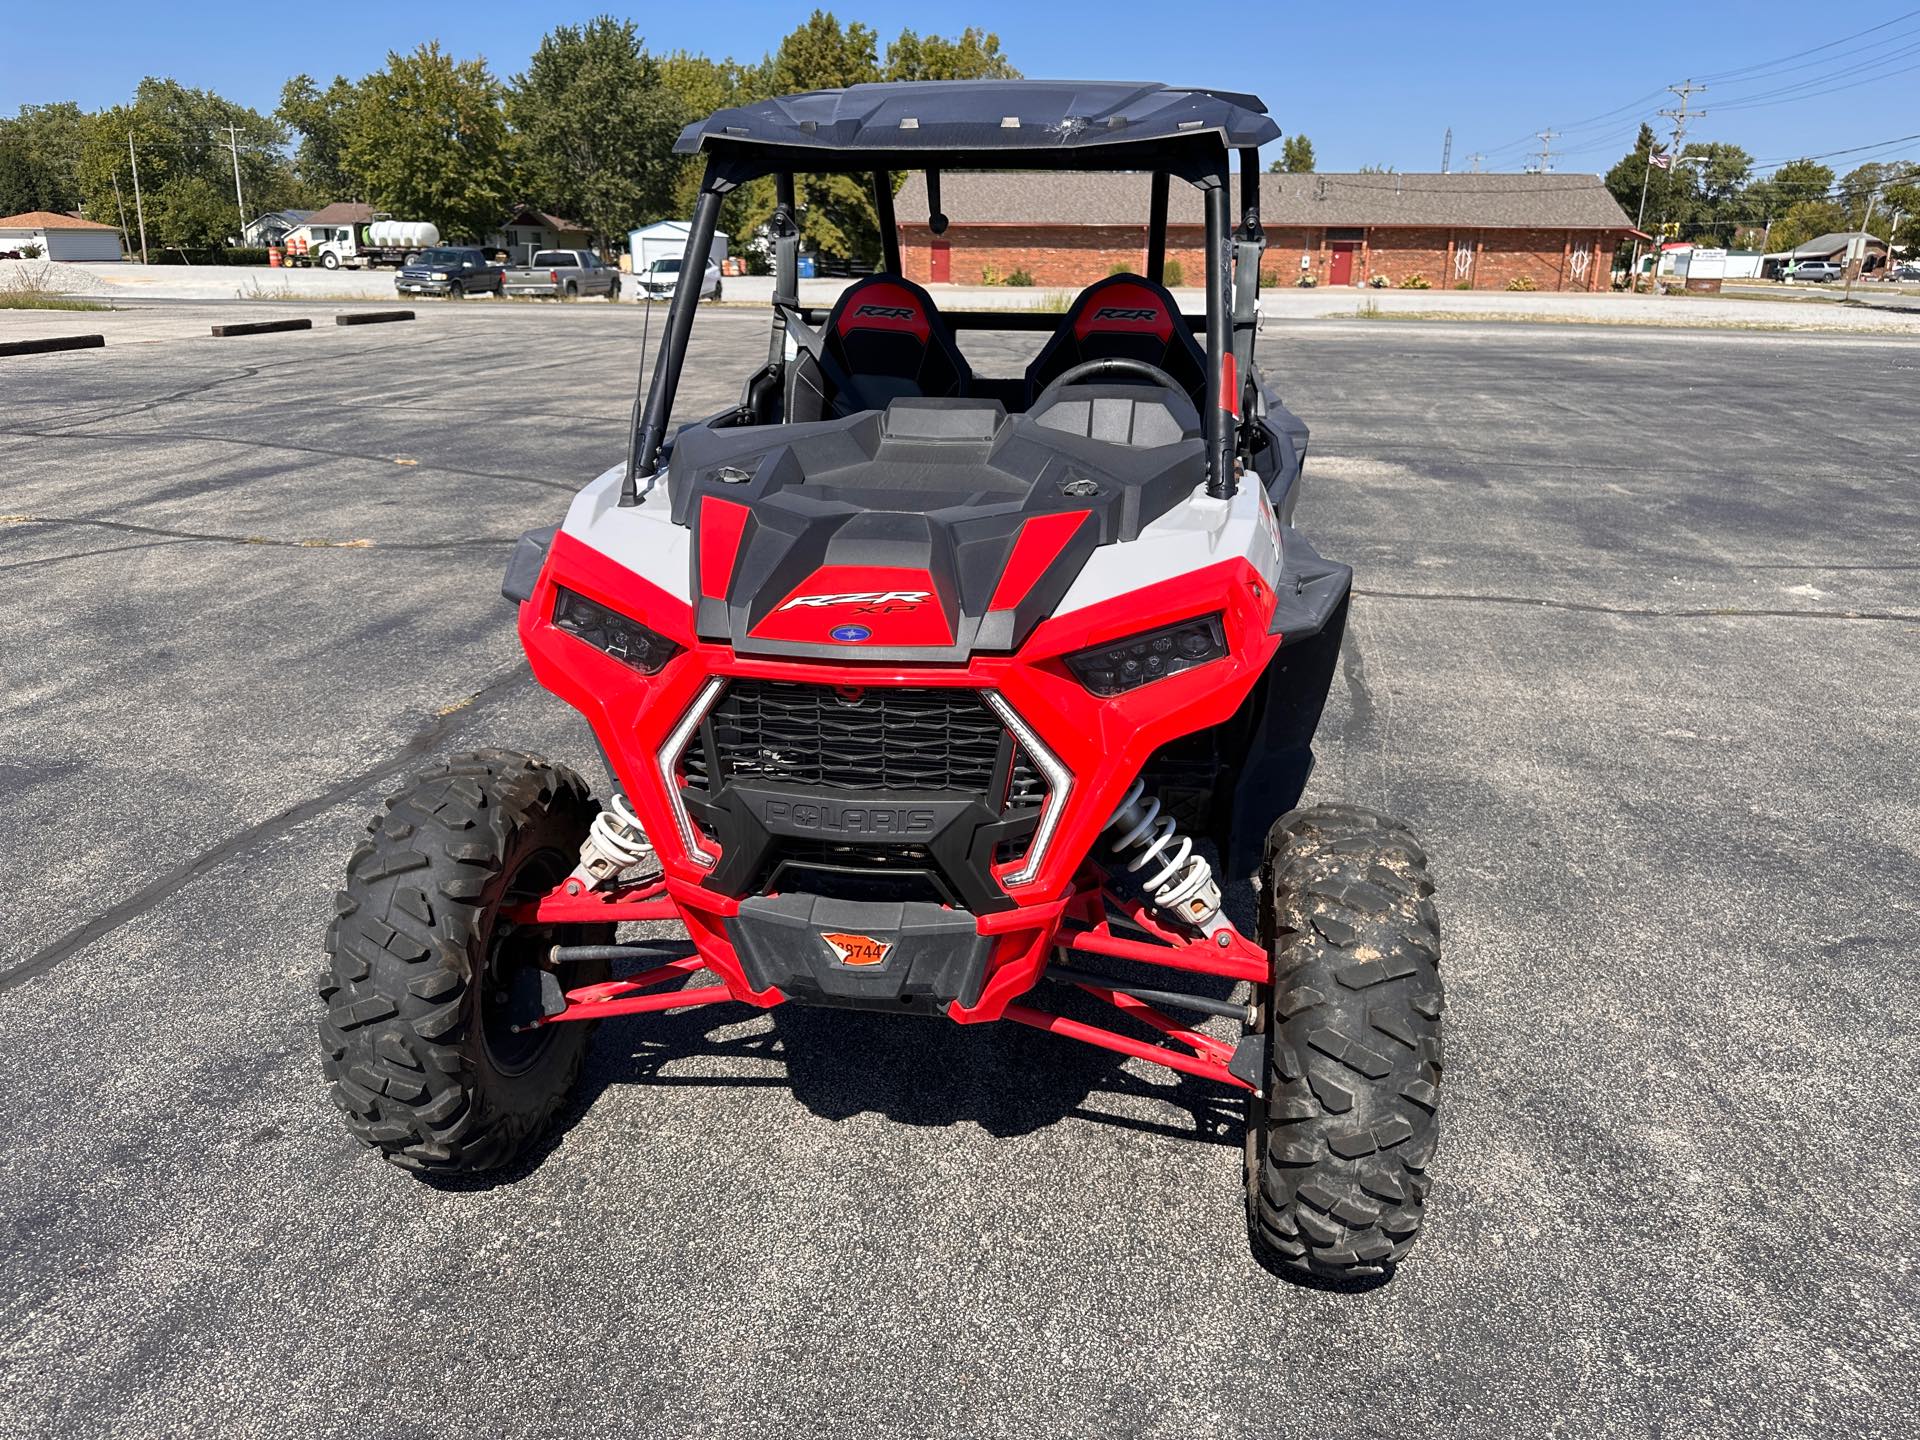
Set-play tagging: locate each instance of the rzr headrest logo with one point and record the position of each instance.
(858, 949)
(885, 312)
(1127, 314)
(871, 602)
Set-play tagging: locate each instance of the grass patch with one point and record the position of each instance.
(45, 300)
(32, 289)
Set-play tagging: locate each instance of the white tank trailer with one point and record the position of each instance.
(367, 243)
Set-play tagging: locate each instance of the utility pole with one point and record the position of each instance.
(121, 206)
(1446, 152)
(138, 208)
(1547, 138)
(1474, 160)
(233, 144)
(1851, 268)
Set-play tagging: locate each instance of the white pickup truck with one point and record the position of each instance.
(564, 274)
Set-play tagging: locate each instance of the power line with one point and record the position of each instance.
(1814, 49)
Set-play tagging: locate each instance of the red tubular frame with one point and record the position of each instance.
(1238, 959)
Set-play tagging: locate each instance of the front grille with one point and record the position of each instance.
(872, 738)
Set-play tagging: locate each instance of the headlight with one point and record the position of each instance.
(438, 275)
(628, 641)
(1140, 659)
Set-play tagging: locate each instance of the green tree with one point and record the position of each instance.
(596, 122)
(975, 55)
(322, 118)
(428, 141)
(1804, 221)
(1296, 156)
(836, 211)
(701, 87)
(186, 164)
(40, 158)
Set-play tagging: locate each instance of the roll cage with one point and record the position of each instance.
(874, 132)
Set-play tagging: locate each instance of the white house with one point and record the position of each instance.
(59, 237)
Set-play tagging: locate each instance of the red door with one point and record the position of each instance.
(1340, 266)
(942, 268)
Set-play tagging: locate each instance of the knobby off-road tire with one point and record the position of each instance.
(425, 978)
(1338, 1148)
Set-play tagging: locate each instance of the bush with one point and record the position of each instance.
(1416, 282)
(1175, 275)
(1464, 285)
(1306, 282)
(247, 255)
(1021, 278)
(1522, 282)
(30, 251)
(990, 275)
(1119, 270)
(1379, 282)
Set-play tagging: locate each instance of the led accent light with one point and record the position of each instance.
(1059, 786)
(627, 641)
(669, 760)
(1124, 665)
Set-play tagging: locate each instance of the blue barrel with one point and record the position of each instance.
(806, 267)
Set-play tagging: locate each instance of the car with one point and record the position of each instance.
(1906, 271)
(451, 270)
(660, 279)
(951, 697)
(1817, 271)
(564, 275)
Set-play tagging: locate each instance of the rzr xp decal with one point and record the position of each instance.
(882, 601)
(894, 604)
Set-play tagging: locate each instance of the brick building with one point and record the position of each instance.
(1458, 231)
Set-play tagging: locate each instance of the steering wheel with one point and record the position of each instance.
(1089, 370)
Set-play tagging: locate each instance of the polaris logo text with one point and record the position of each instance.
(894, 822)
(861, 597)
(887, 312)
(1114, 312)
(858, 949)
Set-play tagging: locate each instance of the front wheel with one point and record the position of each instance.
(1338, 1147)
(715, 297)
(427, 981)
(330, 261)
(613, 291)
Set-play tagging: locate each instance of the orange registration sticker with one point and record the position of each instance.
(858, 949)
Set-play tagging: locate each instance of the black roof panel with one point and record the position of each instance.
(982, 115)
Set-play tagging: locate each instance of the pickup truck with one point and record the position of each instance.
(450, 270)
(567, 274)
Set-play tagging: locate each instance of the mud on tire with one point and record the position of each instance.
(424, 978)
(1337, 1150)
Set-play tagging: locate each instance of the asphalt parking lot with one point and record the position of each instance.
(1637, 651)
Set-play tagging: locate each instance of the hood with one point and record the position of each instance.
(929, 532)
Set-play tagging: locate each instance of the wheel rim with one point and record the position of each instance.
(513, 958)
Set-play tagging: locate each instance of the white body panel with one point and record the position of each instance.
(1198, 532)
(641, 537)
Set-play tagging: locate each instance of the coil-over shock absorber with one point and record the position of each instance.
(614, 845)
(1184, 883)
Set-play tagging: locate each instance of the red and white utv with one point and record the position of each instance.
(930, 692)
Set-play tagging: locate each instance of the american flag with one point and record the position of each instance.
(1662, 161)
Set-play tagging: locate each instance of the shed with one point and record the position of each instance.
(666, 239)
(60, 237)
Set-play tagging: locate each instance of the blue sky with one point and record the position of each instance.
(1369, 84)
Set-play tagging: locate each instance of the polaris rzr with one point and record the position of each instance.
(930, 692)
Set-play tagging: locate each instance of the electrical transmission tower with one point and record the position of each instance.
(1446, 152)
(1547, 137)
